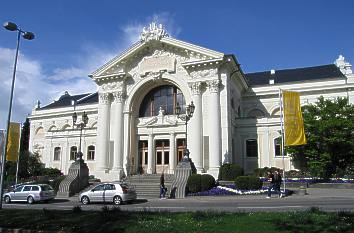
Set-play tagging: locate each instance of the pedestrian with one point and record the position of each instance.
(163, 189)
(271, 186)
(278, 180)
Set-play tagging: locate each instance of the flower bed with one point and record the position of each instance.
(312, 180)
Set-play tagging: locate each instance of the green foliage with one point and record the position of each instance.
(248, 183)
(194, 183)
(262, 172)
(329, 127)
(207, 182)
(230, 171)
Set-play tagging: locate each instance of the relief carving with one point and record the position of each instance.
(153, 32)
(118, 96)
(196, 88)
(213, 85)
(204, 74)
(104, 98)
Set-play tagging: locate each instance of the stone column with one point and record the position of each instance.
(173, 156)
(196, 132)
(103, 125)
(214, 127)
(118, 99)
(151, 155)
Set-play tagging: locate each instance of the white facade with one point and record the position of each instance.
(228, 112)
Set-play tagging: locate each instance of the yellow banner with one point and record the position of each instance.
(293, 122)
(13, 144)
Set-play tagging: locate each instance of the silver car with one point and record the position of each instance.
(30, 193)
(109, 192)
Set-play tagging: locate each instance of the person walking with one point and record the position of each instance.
(278, 179)
(162, 187)
(271, 186)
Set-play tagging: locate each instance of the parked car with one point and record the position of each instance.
(30, 193)
(109, 192)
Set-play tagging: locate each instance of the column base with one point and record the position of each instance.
(214, 171)
(110, 175)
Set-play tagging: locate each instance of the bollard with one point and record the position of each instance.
(302, 190)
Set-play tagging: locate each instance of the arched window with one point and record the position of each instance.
(277, 147)
(165, 97)
(57, 151)
(251, 148)
(91, 152)
(73, 152)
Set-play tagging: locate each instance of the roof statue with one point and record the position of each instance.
(153, 32)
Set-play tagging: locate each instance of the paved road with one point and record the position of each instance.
(325, 199)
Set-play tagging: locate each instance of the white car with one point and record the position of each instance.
(115, 193)
(30, 193)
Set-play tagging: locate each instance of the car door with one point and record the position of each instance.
(22, 196)
(16, 193)
(96, 194)
(109, 192)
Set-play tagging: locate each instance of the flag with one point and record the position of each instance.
(13, 144)
(2, 143)
(293, 122)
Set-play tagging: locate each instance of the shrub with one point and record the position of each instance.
(248, 183)
(194, 183)
(230, 171)
(207, 182)
(254, 183)
(51, 172)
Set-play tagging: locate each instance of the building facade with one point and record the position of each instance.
(133, 128)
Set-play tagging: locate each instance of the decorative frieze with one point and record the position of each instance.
(213, 85)
(112, 86)
(104, 98)
(204, 74)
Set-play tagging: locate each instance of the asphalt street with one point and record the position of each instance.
(325, 199)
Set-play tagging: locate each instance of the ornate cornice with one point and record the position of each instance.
(213, 85)
(204, 74)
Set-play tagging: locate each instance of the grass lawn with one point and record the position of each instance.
(115, 220)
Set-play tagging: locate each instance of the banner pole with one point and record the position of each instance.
(282, 134)
(18, 156)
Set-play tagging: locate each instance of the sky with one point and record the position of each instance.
(74, 38)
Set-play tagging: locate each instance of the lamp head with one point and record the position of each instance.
(85, 118)
(74, 117)
(28, 35)
(10, 26)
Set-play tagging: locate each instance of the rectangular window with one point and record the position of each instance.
(57, 151)
(159, 157)
(277, 147)
(251, 148)
(166, 157)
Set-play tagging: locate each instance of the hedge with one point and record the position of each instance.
(207, 182)
(230, 171)
(248, 183)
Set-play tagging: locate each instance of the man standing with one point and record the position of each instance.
(278, 180)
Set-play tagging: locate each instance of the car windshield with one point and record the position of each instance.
(46, 188)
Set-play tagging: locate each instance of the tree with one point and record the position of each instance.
(329, 129)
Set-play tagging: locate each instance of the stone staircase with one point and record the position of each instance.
(147, 186)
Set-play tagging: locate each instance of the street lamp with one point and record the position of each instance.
(28, 36)
(186, 117)
(80, 125)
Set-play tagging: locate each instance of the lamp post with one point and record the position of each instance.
(80, 125)
(186, 117)
(28, 36)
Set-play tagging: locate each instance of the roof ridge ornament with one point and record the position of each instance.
(153, 32)
(344, 66)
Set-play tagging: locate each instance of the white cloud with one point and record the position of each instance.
(33, 82)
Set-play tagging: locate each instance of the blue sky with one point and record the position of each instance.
(73, 38)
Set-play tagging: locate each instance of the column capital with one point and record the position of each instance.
(118, 96)
(195, 88)
(104, 98)
(213, 85)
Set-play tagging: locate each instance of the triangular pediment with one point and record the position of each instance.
(155, 46)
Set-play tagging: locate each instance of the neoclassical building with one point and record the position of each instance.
(133, 127)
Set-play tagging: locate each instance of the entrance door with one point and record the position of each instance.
(143, 157)
(181, 145)
(162, 149)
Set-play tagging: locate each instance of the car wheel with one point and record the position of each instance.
(117, 200)
(30, 200)
(85, 200)
(7, 199)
